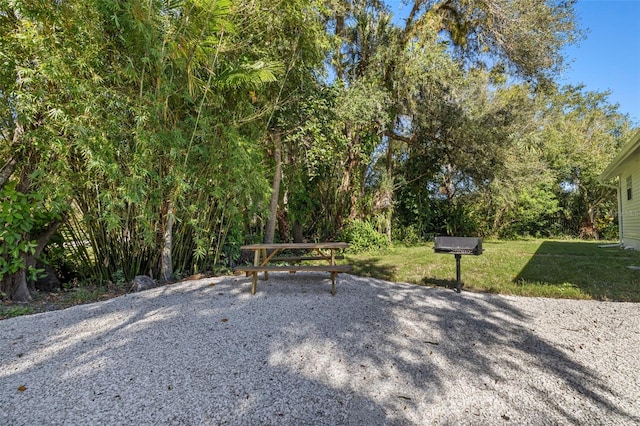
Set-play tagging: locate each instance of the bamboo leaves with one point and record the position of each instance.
(167, 157)
(249, 75)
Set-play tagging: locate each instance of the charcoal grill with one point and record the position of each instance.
(458, 246)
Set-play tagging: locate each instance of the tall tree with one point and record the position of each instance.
(292, 34)
(49, 53)
(126, 111)
(174, 66)
(582, 133)
(519, 39)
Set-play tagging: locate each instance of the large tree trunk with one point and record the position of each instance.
(10, 166)
(7, 170)
(298, 236)
(275, 190)
(348, 202)
(166, 262)
(284, 230)
(16, 286)
(41, 242)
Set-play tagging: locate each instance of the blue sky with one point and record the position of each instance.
(609, 58)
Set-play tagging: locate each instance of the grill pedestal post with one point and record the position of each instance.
(458, 281)
(458, 246)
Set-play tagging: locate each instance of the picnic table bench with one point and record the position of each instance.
(265, 255)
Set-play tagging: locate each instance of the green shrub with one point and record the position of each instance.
(14, 311)
(407, 234)
(118, 278)
(20, 214)
(607, 227)
(362, 236)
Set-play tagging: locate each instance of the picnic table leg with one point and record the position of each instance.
(254, 274)
(264, 256)
(333, 283)
(458, 279)
(254, 283)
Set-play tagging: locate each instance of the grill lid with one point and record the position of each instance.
(458, 245)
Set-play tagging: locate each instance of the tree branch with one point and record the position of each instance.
(10, 166)
(393, 135)
(7, 170)
(41, 242)
(45, 236)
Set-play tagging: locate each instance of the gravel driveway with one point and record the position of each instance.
(207, 352)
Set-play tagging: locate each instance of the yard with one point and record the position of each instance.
(544, 268)
(571, 269)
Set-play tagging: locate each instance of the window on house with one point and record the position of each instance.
(629, 188)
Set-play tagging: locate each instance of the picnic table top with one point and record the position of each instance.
(296, 246)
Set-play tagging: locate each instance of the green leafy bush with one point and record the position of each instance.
(362, 236)
(18, 217)
(15, 311)
(607, 227)
(407, 234)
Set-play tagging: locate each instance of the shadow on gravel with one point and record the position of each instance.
(163, 356)
(440, 283)
(291, 354)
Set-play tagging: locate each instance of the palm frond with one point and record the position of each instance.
(249, 75)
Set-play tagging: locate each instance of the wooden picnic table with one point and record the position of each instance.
(266, 254)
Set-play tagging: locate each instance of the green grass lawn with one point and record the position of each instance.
(544, 268)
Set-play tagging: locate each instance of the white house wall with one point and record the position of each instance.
(630, 211)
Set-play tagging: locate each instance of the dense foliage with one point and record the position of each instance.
(157, 136)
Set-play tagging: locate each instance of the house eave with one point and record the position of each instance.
(612, 169)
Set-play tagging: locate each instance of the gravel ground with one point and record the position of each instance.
(207, 352)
